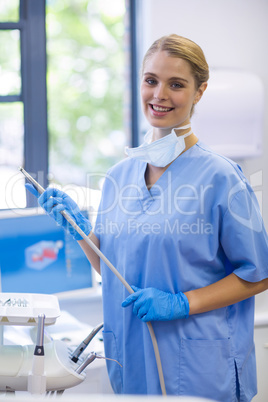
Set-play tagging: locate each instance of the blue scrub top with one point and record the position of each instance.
(198, 223)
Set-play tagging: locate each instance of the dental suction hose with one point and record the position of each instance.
(87, 239)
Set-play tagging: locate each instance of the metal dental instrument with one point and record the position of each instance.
(37, 377)
(39, 349)
(36, 185)
(87, 239)
(92, 356)
(80, 348)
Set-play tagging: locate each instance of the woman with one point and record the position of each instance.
(182, 226)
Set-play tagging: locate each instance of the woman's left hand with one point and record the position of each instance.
(152, 304)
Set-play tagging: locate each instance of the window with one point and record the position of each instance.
(86, 85)
(11, 111)
(64, 102)
(23, 120)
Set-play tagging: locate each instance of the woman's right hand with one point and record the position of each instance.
(53, 201)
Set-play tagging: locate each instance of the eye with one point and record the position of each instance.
(150, 81)
(176, 85)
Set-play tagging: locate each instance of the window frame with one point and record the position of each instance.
(33, 94)
(134, 11)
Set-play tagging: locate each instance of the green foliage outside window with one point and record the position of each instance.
(86, 67)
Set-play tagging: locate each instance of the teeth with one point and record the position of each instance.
(161, 109)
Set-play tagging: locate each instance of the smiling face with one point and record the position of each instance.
(168, 92)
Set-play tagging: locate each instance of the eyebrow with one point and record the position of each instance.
(170, 79)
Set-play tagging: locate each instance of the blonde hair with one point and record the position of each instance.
(183, 48)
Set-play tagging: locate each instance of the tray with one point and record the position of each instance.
(24, 308)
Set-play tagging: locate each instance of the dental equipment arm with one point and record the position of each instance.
(16, 367)
(41, 190)
(80, 348)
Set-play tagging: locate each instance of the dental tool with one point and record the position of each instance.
(90, 358)
(87, 239)
(80, 348)
(37, 377)
(36, 185)
(39, 349)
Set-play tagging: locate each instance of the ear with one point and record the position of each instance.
(200, 91)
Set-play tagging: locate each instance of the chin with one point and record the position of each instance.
(163, 126)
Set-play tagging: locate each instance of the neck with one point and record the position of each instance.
(153, 173)
(179, 133)
(190, 141)
(160, 133)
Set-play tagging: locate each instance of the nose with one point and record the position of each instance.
(160, 92)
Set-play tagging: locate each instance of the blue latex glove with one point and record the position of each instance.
(53, 201)
(152, 304)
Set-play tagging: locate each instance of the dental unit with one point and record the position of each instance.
(47, 366)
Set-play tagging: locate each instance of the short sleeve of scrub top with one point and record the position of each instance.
(243, 235)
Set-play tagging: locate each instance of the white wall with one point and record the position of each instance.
(232, 34)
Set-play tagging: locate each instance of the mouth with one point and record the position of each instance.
(160, 109)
